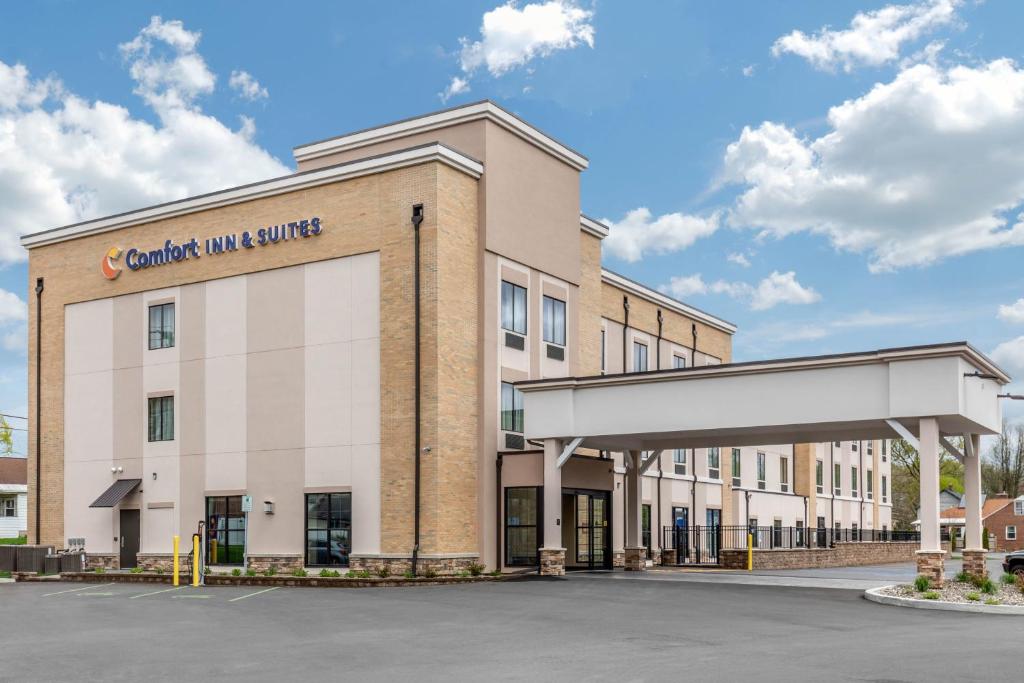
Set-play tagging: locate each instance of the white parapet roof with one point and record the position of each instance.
(440, 119)
(657, 298)
(265, 188)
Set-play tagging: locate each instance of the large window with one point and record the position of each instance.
(837, 479)
(161, 326)
(1011, 533)
(1018, 507)
(9, 507)
(761, 469)
(784, 474)
(870, 447)
(678, 362)
(853, 480)
(679, 460)
(161, 418)
(225, 530)
(604, 353)
(639, 357)
(522, 520)
(819, 475)
(714, 463)
(869, 485)
(737, 474)
(554, 321)
(885, 489)
(511, 408)
(513, 307)
(328, 529)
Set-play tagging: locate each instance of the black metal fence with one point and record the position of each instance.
(701, 545)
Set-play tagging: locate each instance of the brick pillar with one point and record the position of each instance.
(552, 561)
(931, 563)
(668, 556)
(636, 559)
(974, 562)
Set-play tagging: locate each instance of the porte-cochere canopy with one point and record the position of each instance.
(924, 394)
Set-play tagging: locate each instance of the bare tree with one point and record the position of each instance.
(906, 479)
(1003, 467)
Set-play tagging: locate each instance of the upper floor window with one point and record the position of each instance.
(853, 480)
(161, 418)
(678, 362)
(885, 489)
(837, 479)
(513, 307)
(604, 352)
(737, 474)
(871, 447)
(511, 408)
(679, 460)
(1018, 506)
(161, 326)
(869, 485)
(819, 476)
(853, 446)
(554, 321)
(639, 357)
(714, 463)
(885, 444)
(784, 474)
(760, 470)
(838, 444)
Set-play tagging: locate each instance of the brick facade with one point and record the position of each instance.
(997, 524)
(843, 555)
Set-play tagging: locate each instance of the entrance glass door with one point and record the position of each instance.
(586, 516)
(225, 530)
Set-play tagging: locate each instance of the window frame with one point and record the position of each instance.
(555, 305)
(676, 462)
(163, 340)
(604, 351)
(1018, 508)
(854, 482)
(640, 353)
(227, 529)
(869, 484)
(885, 488)
(1006, 532)
(514, 411)
(784, 474)
(330, 505)
(762, 470)
(156, 431)
(9, 507)
(514, 290)
(678, 362)
(737, 468)
(837, 479)
(819, 476)
(716, 453)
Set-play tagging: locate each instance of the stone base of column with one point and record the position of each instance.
(932, 564)
(668, 556)
(974, 562)
(618, 558)
(655, 557)
(552, 561)
(636, 559)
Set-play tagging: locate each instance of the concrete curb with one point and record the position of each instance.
(277, 580)
(875, 595)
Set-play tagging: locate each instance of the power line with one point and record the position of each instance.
(13, 417)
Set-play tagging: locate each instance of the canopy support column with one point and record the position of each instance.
(636, 553)
(931, 556)
(552, 554)
(974, 548)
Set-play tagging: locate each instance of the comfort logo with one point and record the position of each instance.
(110, 271)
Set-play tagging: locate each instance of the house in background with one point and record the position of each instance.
(13, 497)
(1002, 516)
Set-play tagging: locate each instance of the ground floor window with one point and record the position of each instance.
(225, 530)
(328, 529)
(9, 507)
(645, 527)
(522, 519)
(1011, 533)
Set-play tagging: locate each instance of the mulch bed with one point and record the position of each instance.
(957, 592)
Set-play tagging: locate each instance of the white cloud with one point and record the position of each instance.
(511, 37)
(873, 39)
(639, 233)
(738, 259)
(1013, 313)
(777, 288)
(1010, 356)
(247, 86)
(749, 70)
(781, 288)
(12, 308)
(926, 167)
(64, 159)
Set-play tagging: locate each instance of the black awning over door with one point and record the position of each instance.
(116, 493)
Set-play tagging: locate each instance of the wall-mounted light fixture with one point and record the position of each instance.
(268, 507)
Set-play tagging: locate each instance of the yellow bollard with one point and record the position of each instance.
(750, 552)
(195, 560)
(177, 541)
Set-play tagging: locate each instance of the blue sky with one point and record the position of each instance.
(708, 127)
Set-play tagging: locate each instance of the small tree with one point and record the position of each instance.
(6, 437)
(984, 538)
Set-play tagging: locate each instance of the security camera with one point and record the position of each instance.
(426, 449)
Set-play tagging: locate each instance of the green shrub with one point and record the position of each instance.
(1008, 579)
(962, 577)
(100, 570)
(250, 572)
(922, 583)
(299, 573)
(973, 597)
(270, 571)
(358, 574)
(408, 574)
(135, 570)
(236, 572)
(984, 584)
(991, 601)
(476, 569)
(384, 571)
(930, 595)
(159, 570)
(5, 575)
(20, 540)
(496, 572)
(329, 573)
(984, 538)
(429, 573)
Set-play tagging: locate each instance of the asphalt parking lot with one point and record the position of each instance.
(581, 628)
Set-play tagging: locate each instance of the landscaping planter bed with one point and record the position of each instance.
(957, 592)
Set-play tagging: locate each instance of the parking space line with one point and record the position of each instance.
(192, 595)
(166, 590)
(74, 590)
(249, 595)
(106, 595)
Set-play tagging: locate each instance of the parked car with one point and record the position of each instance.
(1014, 563)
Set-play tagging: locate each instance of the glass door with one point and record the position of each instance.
(589, 544)
(225, 530)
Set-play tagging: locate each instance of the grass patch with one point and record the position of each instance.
(329, 574)
(5, 575)
(19, 540)
(930, 595)
(299, 573)
(962, 577)
(135, 570)
(1008, 579)
(973, 597)
(991, 601)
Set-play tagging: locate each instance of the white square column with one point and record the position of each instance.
(974, 548)
(931, 556)
(552, 554)
(636, 553)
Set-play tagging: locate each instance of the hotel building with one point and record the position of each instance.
(321, 369)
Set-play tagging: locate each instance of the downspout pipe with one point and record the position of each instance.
(860, 487)
(832, 463)
(693, 353)
(417, 219)
(39, 394)
(625, 330)
(657, 353)
(499, 497)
